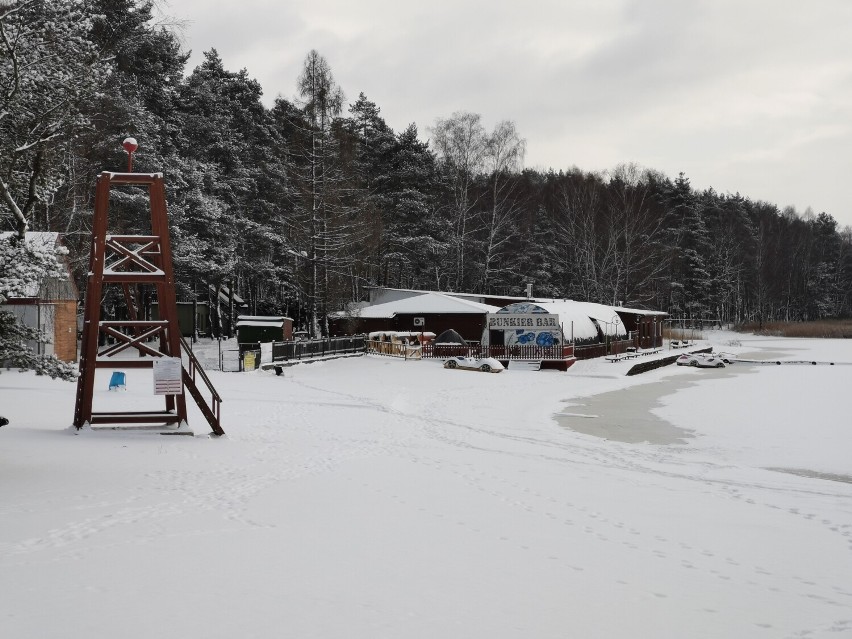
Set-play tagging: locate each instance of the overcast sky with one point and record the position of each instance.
(748, 96)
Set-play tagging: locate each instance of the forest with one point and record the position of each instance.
(299, 207)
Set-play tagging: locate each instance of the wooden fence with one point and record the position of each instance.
(516, 352)
(302, 350)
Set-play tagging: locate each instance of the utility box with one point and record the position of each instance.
(252, 329)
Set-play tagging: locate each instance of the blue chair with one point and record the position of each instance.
(118, 381)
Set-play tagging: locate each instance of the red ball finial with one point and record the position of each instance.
(130, 145)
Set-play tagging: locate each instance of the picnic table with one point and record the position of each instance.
(684, 343)
(621, 356)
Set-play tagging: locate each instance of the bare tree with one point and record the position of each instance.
(504, 155)
(577, 236)
(335, 231)
(631, 261)
(322, 102)
(461, 144)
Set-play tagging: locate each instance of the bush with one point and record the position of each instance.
(14, 352)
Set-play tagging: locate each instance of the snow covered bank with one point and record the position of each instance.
(373, 497)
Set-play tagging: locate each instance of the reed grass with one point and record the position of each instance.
(682, 333)
(819, 329)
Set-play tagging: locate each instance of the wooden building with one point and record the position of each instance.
(424, 311)
(646, 327)
(252, 329)
(585, 329)
(50, 306)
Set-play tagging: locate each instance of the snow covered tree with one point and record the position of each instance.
(415, 241)
(230, 198)
(733, 253)
(825, 273)
(396, 175)
(369, 145)
(329, 224)
(581, 247)
(49, 68)
(687, 243)
(23, 267)
(632, 227)
(542, 266)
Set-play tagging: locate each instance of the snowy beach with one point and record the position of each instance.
(375, 497)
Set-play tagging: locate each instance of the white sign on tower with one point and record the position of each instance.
(168, 376)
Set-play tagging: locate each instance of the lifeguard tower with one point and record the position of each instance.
(133, 262)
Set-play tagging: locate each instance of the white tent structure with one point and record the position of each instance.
(600, 316)
(577, 320)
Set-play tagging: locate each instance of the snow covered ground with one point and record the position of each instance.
(373, 497)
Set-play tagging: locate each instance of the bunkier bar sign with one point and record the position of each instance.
(503, 321)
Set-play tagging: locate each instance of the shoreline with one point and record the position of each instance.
(626, 415)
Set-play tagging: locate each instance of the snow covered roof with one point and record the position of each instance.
(426, 303)
(223, 295)
(606, 316)
(639, 311)
(380, 292)
(261, 320)
(242, 323)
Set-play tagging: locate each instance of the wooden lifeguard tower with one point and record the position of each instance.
(133, 262)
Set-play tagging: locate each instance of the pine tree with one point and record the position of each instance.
(687, 243)
(824, 291)
(416, 239)
(230, 204)
(371, 141)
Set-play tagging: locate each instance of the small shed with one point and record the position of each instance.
(252, 329)
(49, 306)
(646, 325)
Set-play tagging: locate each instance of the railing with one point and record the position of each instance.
(212, 413)
(515, 352)
(309, 349)
(529, 352)
(298, 350)
(395, 349)
(614, 347)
